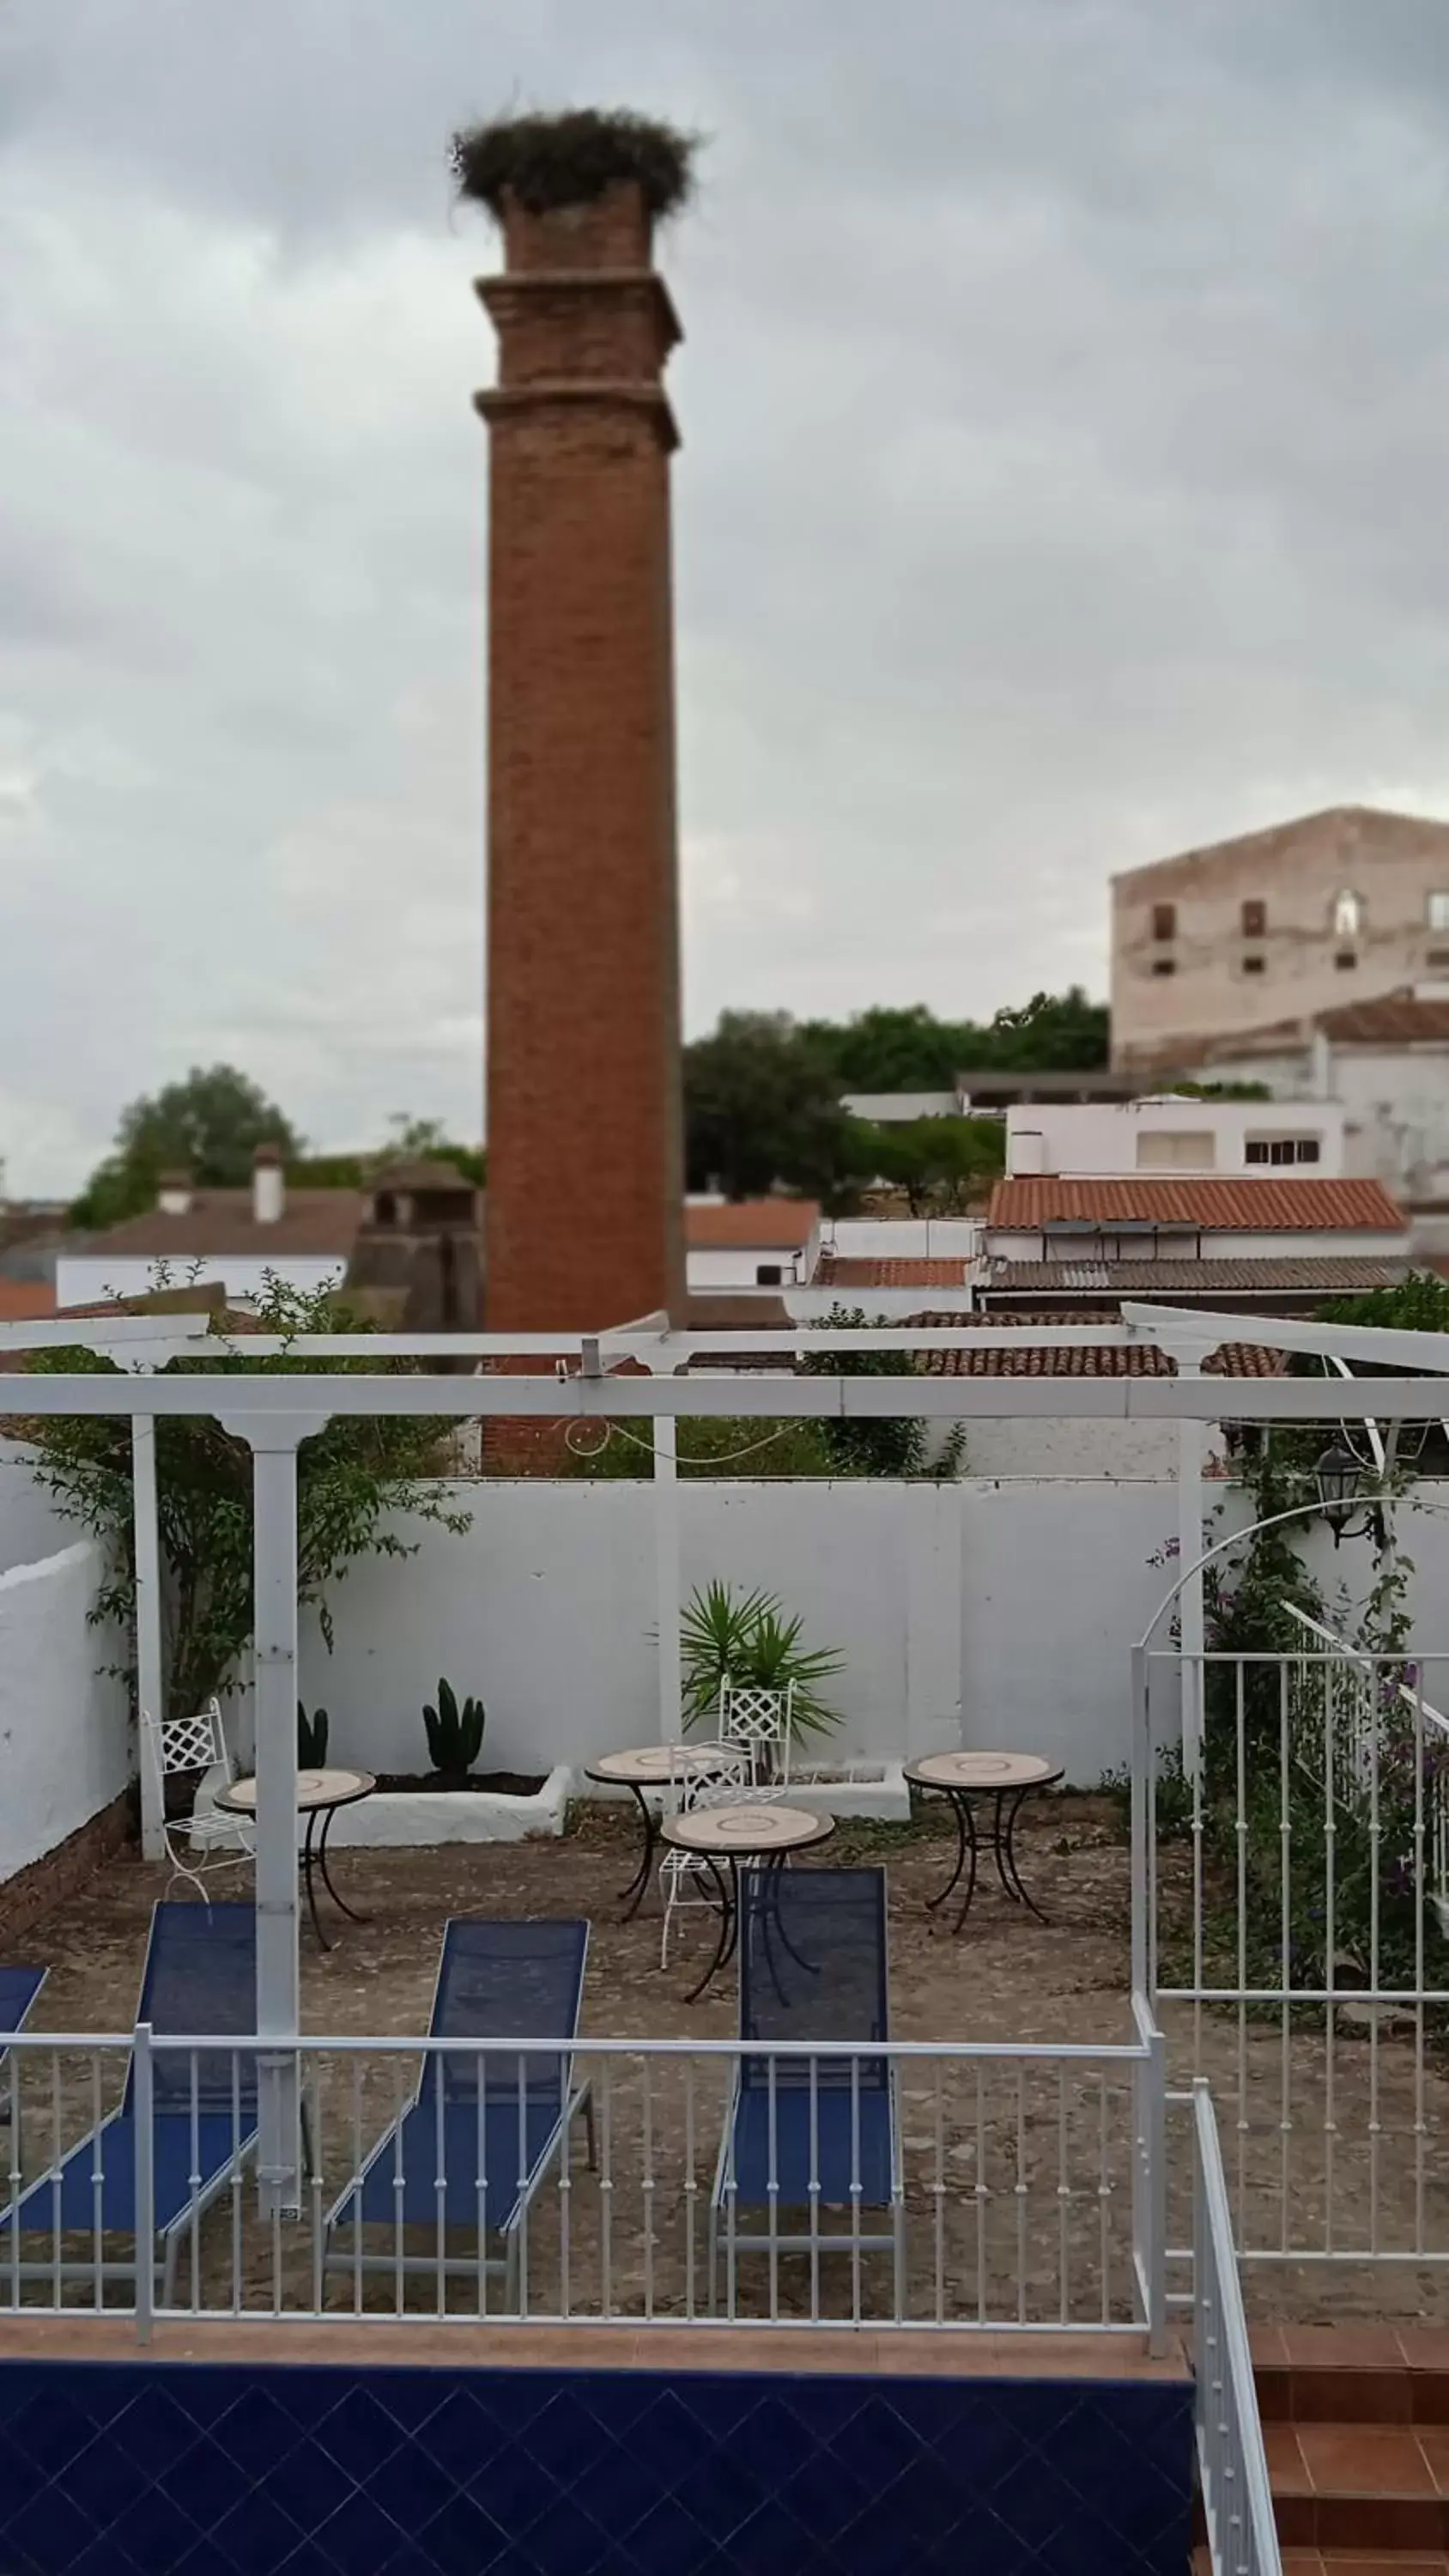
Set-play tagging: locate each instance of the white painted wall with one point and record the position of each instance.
(725, 1268)
(1016, 1243)
(994, 1613)
(30, 1526)
(84, 1279)
(65, 1735)
(1118, 1452)
(934, 1238)
(1098, 1138)
(1028, 1596)
(896, 1108)
(1395, 1104)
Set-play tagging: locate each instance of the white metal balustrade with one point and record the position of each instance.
(1289, 1905)
(1232, 2468)
(1029, 2184)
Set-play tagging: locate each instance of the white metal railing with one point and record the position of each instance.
(912, 2184)
(1232, 2469)
(1363, 1695)
(1291, 1933)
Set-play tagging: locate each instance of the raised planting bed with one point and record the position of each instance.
(423, 1812)
(862, 1788)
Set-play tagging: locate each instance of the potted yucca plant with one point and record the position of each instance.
(747, 1639)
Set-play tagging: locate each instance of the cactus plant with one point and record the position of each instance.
(455, 1736)
(311, 1739)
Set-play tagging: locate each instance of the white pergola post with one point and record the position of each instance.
(1191, 1451)
(150, 1672)
(274, 1446)
(666, 1572)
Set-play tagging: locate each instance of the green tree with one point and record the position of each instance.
(209, 1125)
(1417, 1305)
(909, 1049)
(762, 1108)
(906, 1049)
(856, 1445)
(941, 1164)
(413, 1140)
(1052, 1033)
(351, 1479)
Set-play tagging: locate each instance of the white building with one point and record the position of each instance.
(750, 1243)
(1096, 1222)
(1384, 1062)
(1170, 1133)
(240, 1237)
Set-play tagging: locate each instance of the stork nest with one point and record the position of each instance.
(569, 160)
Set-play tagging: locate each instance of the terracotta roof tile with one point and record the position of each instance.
(751, 1225)
(1268, 1206)
(1392, 1020)
(314, 1224)
(903, 1271)
(1084, 1359)
(25, 1301)
(1331, 1275)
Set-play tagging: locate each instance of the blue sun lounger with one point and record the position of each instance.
(200, 1980)
(485, 2124)
(807, 2141)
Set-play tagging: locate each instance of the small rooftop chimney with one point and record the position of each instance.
(269, 1187)
(173, 1194)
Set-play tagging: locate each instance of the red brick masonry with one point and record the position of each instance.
(47, 1882)
(585, 1188)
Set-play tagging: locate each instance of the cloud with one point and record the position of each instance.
(1062, 404)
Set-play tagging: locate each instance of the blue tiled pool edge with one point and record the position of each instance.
(162, 2468)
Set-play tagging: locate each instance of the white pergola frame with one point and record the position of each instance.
(274, 1414)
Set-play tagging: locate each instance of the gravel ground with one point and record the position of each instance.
(1018, 2182)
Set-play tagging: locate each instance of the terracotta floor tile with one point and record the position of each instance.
(1287, 2468)
(1364, 2460)
(1381, 2525)
(1275, 2393)
(1352, 2396)
(1425, 2347)
(1342, 2347)
(1429, 2396)
(1434, 2443)
(1375, 2563)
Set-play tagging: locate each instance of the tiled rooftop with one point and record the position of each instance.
(1218, 1205)
(905, 1271)
(1083, 1359)
(750, 1225)
(1332, 1275)
(316, 1224)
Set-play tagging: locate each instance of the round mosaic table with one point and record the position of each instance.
(722, 1837)
(319, 1795)
(640, 1768)
(1008, 1779)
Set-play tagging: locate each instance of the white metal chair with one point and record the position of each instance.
(760, 1724)
(209, 1840)
(722, 1780)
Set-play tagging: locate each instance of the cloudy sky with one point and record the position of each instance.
(1066, 434)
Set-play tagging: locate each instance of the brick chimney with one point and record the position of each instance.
(583, 1213)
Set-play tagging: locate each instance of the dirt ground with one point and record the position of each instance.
(1018, 2180)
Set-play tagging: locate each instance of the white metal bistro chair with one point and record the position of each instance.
(723, 1780)
(201, 1845)
(760, 1724)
